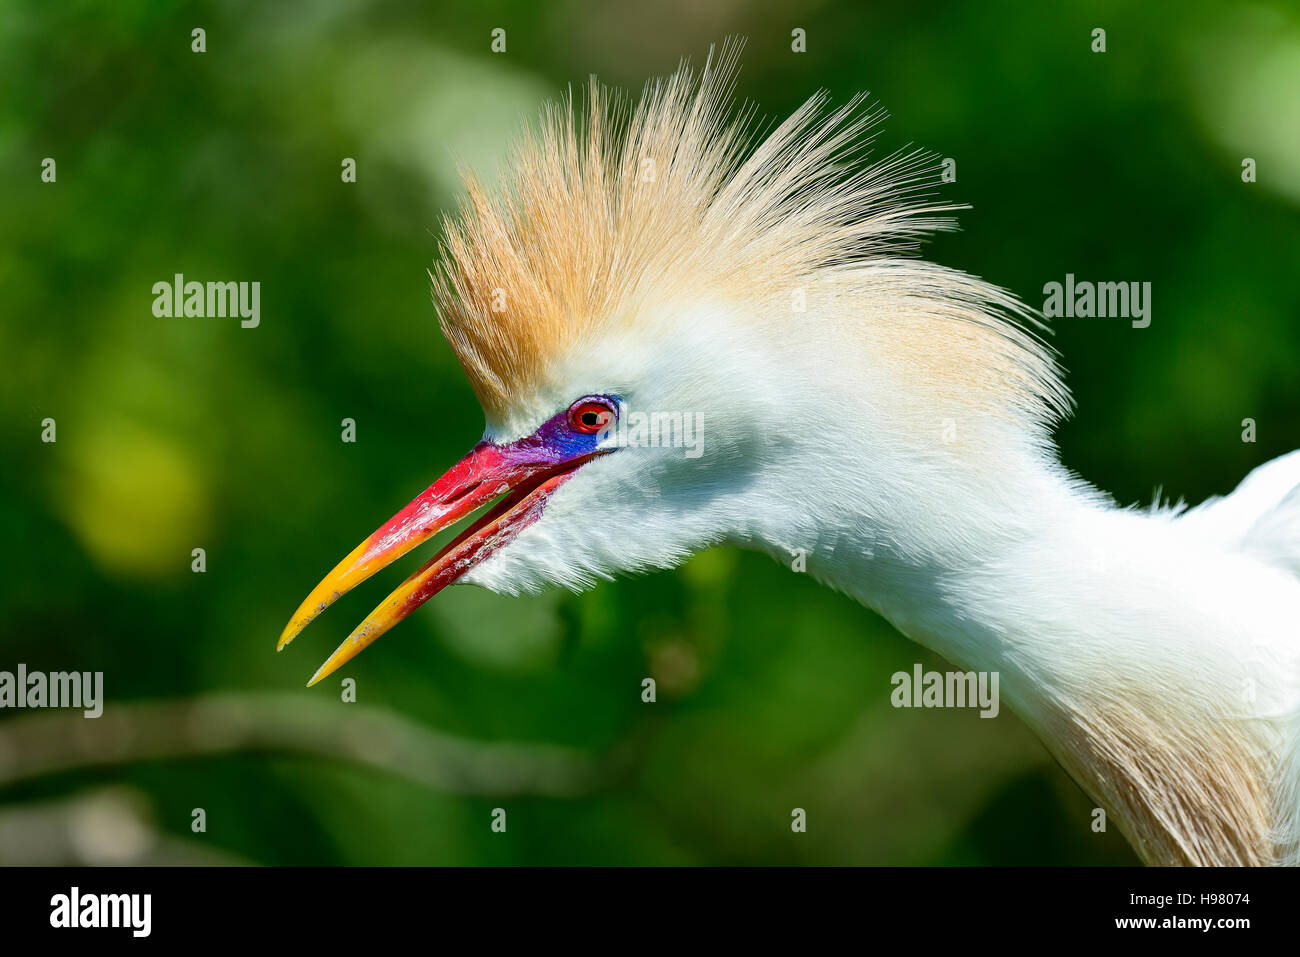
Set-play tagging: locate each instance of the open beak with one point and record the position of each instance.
(528, 470)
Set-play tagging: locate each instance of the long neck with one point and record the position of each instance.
(1116, 637)
(1156, 665)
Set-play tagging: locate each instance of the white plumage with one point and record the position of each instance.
(897, 431)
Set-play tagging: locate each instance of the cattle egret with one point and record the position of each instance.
(889, 417)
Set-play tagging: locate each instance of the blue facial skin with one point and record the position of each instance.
(555, 441)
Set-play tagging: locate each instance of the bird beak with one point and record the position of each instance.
(528, 470)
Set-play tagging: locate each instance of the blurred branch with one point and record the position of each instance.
(105, 826)
(225, 723)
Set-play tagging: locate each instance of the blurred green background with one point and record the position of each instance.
(773, 692)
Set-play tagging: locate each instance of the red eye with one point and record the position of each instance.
(590, 416)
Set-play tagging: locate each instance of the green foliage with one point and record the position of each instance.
(773, 692)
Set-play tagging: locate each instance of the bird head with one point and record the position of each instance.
(683, 333)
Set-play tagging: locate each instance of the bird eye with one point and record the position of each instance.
(590, 416)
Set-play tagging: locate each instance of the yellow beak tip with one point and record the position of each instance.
(293, 629)
(325, 670)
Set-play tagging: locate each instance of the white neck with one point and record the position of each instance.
(1120, 637)
(902, 453)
